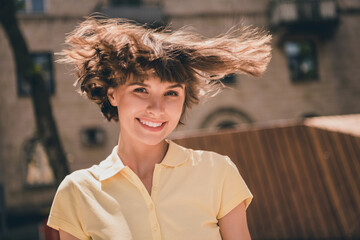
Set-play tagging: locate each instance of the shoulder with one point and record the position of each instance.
(207, 155)
(83, 179)
(79, 179)
(110, 165)
(90, 178)
(84, 175)
(210, 159)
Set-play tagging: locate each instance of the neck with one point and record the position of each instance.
(139, 157)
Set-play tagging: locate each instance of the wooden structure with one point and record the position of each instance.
(305, 176)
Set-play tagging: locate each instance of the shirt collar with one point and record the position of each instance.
(111, 165)
(175, 156)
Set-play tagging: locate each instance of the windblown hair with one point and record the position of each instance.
(109, 52)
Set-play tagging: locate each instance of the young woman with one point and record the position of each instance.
(149, 187)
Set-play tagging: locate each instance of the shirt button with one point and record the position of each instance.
(151, 206)
(155, 227)
(154, 188)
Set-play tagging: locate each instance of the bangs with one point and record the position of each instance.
(167, 70)
(172, 71)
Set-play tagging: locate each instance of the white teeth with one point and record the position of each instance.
(150, 124)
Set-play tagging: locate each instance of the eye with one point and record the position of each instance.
(140, 90)
(171, 93)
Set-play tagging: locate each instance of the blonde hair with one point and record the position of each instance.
(107, 52)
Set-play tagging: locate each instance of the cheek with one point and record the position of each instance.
(176, 108)
(128, 105)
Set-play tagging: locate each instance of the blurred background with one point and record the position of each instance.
(293, 133)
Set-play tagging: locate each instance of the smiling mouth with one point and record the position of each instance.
(155, 125)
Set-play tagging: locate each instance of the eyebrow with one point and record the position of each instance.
(145, 85)
(176, 85)
(137, 83)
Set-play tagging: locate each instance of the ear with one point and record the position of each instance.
(111, 96)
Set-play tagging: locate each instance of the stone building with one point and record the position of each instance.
(314, 71)
(322, 51)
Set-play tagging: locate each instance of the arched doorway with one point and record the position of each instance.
(225, 118)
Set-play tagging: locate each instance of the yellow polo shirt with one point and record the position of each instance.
(191, 190)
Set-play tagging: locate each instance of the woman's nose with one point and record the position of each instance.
(155, 105)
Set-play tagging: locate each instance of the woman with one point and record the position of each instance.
(149, 187)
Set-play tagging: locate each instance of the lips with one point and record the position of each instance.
(151, 125)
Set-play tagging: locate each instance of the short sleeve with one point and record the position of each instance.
(64, 213)
(234, 190)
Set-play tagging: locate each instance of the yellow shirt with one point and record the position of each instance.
(191, 190)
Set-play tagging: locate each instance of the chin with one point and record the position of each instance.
(152, 140)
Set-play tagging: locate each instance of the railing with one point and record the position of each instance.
(287, 12)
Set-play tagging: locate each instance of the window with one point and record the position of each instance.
(229, 79)
(94, 136)
(43, 62)
(126, 2)
(301, 56)
(309, 115)
(33, 6)
(37, 168)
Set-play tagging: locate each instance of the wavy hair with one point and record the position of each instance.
(106, 52)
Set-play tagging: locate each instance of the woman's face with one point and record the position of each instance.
(148, 111)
